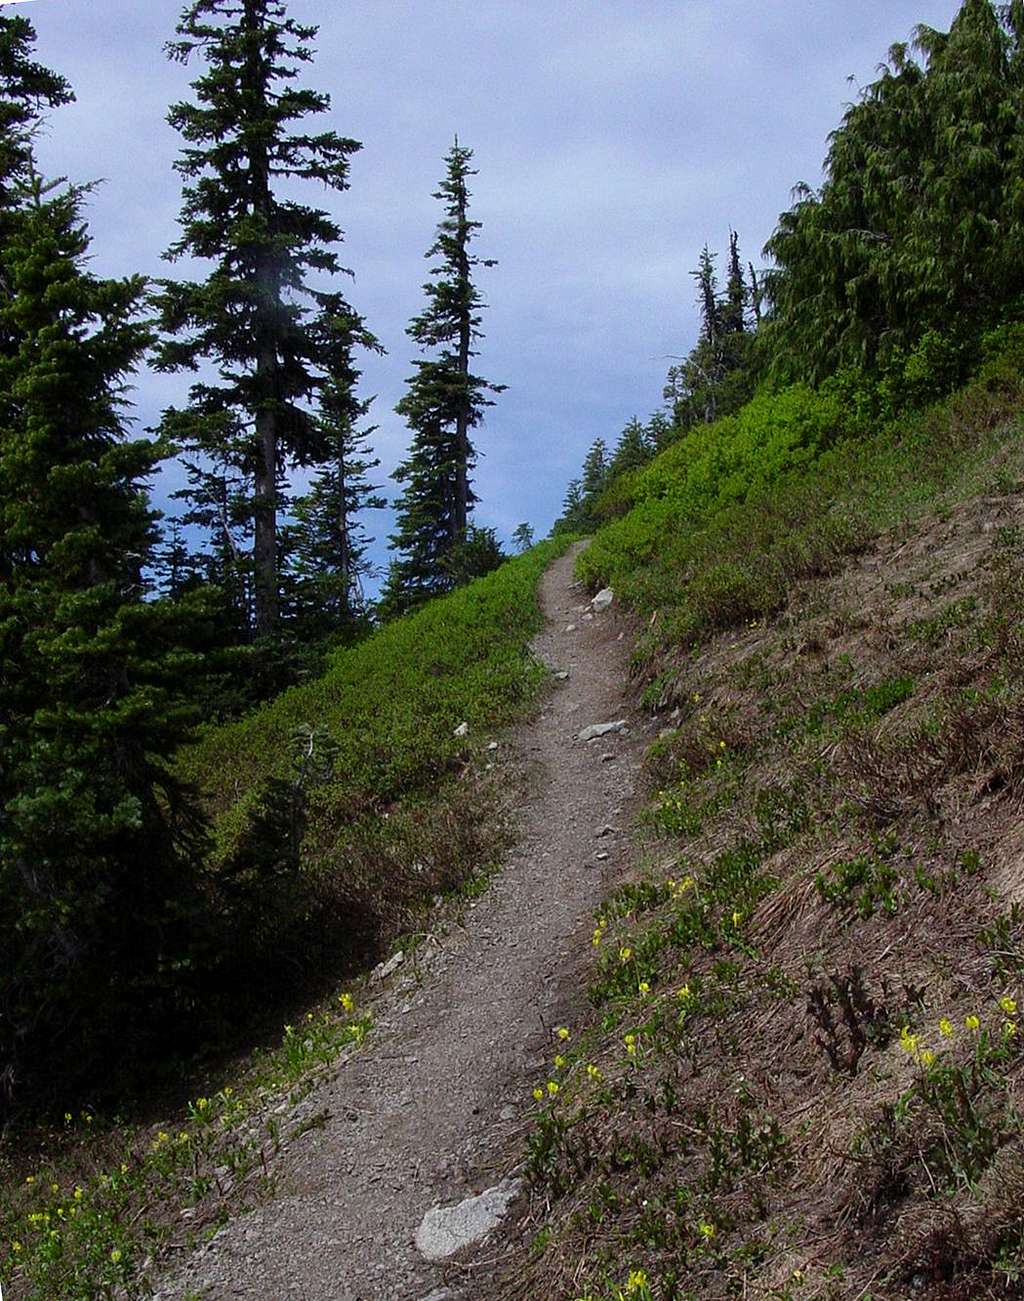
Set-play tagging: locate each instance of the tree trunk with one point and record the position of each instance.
(268, 297)
(461, 513)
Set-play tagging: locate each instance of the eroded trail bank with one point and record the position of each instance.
(430, 1112)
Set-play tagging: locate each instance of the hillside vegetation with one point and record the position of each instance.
(801, 1074)
(340, 811)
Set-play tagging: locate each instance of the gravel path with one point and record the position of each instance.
(434, 1108)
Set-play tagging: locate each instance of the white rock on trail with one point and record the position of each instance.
(601, 729)
(603, 599)
(461, 730)
(384, 969)
(447, 1229)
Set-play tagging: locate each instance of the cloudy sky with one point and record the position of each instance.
(613, 139)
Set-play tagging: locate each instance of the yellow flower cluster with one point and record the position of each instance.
(602, 926)
(679, 888)
(630, 1042)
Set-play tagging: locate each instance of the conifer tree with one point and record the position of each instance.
(330, 541)
(99, 845)
(252, 316)
(522, 537)
(444, 401)
(917, 228)
(595, 470)
(631, 451)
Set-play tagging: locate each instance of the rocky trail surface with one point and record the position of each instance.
(434, 1109)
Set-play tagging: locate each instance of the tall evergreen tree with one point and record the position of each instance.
(918, 227)
(595, 469)
(330, 541)
(714, 378)
(444, 401)
(252, 316)
(98, 842)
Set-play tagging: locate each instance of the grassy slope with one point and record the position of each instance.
(798, 1079)
(399, 810)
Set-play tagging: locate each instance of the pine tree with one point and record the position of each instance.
(631, 451)
(595, 470)
(522, 537)
(99, 844)
(918, 227)
(253, 316)
(330, 542)
(444, 401)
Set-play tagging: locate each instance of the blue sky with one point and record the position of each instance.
(613, 139)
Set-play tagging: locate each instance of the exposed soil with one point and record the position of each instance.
(434, 1109)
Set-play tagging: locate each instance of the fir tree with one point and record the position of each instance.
(595, 470)
(522, 537)
(99, 845)
(917, 228)
(444, 401)
(252, 316)
(330, 542)
(631, 451)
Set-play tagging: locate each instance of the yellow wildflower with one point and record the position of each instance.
(927, 1057)
(644, 988)
(538, 1094)
(552, 1087)
(737, 917)
(560, 1062)
(945, 1027)
(908, 1041)
(593, 1072)
(115, 1255)
(1009, 1028)
(630, 1042)
(707, 1231)
(562, 1032)
(1008, 1005)
(347, 1002)
(683, 993)
(637, 1279)
(15, 1245)
(972, 1022)
(625, 954)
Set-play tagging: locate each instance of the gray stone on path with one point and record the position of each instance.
(461, 730)
(447, 1229)
(562, 675)
(603, 599)
(601, 729)
(384, 969)
(570, 627)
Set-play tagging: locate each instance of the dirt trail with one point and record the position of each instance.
(431, 1110)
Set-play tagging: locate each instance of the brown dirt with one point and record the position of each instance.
(435, 1107)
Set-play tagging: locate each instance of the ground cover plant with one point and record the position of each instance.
(801, 1074)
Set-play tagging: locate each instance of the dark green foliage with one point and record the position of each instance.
(255, 316)
(99, 841)
(443, 402)
(715, 379)
(918, 227)
(523, 537)
(330, 545)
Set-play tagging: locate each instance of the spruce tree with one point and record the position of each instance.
(444, 401)
(99, 844)
(253, 316)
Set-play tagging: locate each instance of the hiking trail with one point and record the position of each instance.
(435, 1107)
